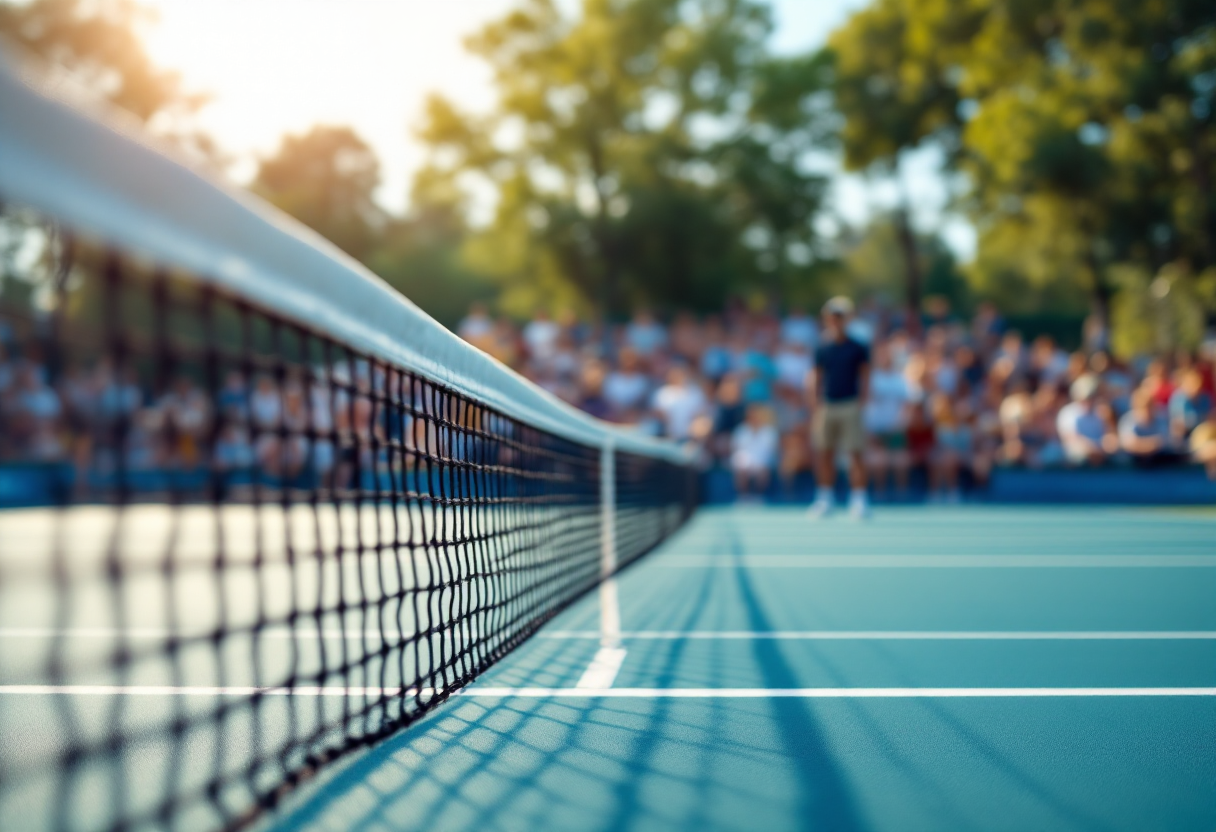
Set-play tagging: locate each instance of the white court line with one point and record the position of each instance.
(206, 690)
(304, 634)
(826, 693)
(935, 561)
(895, 635)
(616, 693)
(604, 667)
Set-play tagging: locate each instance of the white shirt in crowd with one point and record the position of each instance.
(475, 327)
(625, 390)
(793, 362)
(647, 337)
(753, 448)
(679, 405)
(541, 336)
(886, 407)
(800, 329)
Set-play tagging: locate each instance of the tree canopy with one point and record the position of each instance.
(1083, 129)
(641, 152)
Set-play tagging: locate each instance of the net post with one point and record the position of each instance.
(610, 613)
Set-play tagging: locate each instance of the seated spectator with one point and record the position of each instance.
(1048, 363)
(627, 386)
(32, 416)
(1086, 437)
(645, 334)
(885, 420)
(505, 344)
(540, 336)
(792, 363)
(759, 372)
(1144, 433)
(801, 329)
(187, 413)
(1189, 404)
(921, 437)
(687, 340)
(1203, 444)
(679, 403)
(1117, 383)
(753, 447)
(952, 450)
(591, 391)
(477, 326)
(729, 412)
(1158, 383)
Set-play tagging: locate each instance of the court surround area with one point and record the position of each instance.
(964, 669)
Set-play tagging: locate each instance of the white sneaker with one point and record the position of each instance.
(859, 509)
(819, 509)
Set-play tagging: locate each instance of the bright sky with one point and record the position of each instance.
(277, 66)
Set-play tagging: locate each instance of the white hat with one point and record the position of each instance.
(839, 305)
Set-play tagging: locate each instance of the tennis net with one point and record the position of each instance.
(262, 511)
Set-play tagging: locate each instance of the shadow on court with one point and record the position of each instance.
(600, 764)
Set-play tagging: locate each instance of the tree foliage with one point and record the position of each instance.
(641, 152)
(1084, 128)
(327, 179)
(98, 41)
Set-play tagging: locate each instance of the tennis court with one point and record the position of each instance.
(301, 558)
(971, 668)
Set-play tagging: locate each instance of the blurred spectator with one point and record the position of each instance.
(885, 418)
(477, 325)
(540, 336)
(645, 334)
(753, 452)
(800, 328)
(1189, 404)
(627, 386)
(591, 391)
(679, 403)
(922, 438)
(792, 365)
(953, 446)
(32, 415)
(187, 413)
(1203, 443)
(1144, 433)
(1084, 433)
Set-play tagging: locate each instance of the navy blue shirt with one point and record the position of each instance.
(840, 363)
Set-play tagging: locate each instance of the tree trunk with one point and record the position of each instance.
(912, 276)
(1101, 293)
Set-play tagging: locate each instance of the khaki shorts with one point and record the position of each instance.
(837, 427)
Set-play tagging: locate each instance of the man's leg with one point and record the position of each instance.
(824, 440)
(857, 471)
(853, 440)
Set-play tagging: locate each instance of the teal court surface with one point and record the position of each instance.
(933, 669)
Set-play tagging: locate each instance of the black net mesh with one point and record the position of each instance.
(245, 548)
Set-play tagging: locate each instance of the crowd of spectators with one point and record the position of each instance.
(948, 399)
(99, 419)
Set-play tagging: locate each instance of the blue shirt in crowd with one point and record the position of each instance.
(840, 363)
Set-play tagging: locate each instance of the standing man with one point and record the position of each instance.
(842, 377)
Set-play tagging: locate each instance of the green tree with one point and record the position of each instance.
(327, 179)
(1083, 128)
(98, 41)
(641, 151)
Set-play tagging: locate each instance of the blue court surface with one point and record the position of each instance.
(948, 669)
